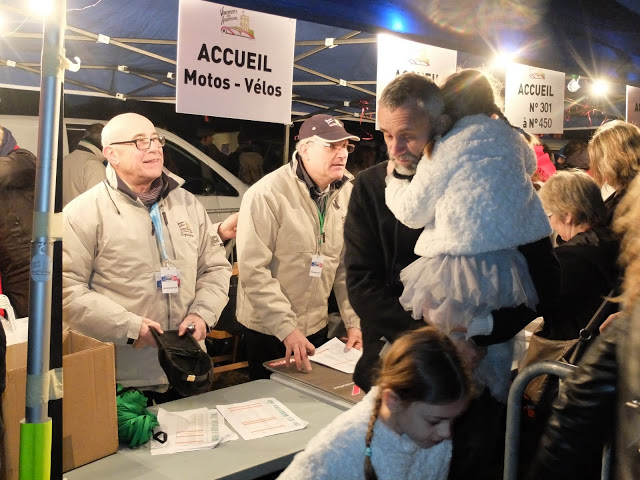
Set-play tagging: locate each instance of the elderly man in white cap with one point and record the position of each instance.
(290, 250)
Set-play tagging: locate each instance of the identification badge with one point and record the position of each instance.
(316, 265)
(168, 279)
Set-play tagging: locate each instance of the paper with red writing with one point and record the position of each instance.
(260, 418)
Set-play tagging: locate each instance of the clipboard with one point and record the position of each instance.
(323, 379)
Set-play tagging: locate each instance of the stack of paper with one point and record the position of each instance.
(333, 354)
(261, 418)
(196, 429)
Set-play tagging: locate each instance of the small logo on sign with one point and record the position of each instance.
(234, 23)
(536, 74)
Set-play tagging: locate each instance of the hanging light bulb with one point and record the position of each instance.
(41, 7)
(600, 88)
(503, 59)
(574, 85)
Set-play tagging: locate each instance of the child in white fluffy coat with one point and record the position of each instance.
(474, 197)
(402, 428)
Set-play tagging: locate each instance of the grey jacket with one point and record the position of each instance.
(81, 170)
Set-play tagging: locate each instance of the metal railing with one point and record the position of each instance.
(514, 409)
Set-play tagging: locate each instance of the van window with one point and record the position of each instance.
(74, 135)
(199, 178)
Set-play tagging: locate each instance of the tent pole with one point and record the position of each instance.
(53, 58)
(287, 139)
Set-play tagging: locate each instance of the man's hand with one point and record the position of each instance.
(200, 326)
(145, 337)
(610, 319)
(354, 339)
(470, 353)
(300, 348)
(228, 228)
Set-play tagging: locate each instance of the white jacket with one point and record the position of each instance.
(474, 195)
(110, 257)
(278, 230)
(337, 452)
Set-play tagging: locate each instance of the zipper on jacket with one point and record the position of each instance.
(166, 223)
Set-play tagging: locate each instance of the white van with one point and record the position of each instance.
(215, 187)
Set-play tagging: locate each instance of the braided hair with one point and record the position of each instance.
(422, 365)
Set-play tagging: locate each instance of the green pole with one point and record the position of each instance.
(35, 450)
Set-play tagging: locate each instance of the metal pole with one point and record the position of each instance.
(287, 139)
(53, 57)
(514, 406)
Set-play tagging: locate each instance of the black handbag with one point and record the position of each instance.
(543, 389)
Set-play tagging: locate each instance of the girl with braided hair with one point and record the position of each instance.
(472, 193)
(402, 428)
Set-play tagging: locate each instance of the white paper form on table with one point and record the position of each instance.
(332, 355)
(260, 418)
(197, 429)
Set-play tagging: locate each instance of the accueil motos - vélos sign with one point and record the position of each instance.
(234, 63)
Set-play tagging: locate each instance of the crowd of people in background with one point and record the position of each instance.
(437, 258)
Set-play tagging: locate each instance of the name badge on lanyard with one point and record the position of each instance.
(168, 278)
(316, 265)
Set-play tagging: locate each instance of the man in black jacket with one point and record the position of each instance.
(378, 247)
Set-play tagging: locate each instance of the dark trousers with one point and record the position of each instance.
(262, 348)
(478, 440)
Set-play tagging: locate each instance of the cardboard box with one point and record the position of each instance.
(89, 426)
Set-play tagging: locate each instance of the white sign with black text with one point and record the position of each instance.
(234, 63)
(397, 56)
(534, 98)
(633, 105)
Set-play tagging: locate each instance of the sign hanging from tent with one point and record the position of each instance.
(633, 105)
(397, 56)
(234, 63)
(534, 98)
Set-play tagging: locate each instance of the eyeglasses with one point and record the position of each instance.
(143, 143)
(336, 147)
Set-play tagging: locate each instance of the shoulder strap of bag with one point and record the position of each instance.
(598, 318)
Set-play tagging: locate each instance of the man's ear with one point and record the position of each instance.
(110, 154)
(442, 124)
(303, 150)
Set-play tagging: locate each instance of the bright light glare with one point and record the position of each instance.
(600, 88)
(397, 25)
(503, 59)
(1, 24)
(41, 7)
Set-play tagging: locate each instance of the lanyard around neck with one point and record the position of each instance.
(154, 213)
(321, 216)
